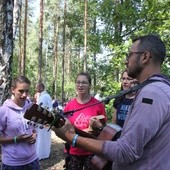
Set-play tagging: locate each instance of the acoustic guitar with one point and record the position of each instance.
(40, 117)
(110, 132)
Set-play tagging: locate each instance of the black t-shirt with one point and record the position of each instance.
(122, 106)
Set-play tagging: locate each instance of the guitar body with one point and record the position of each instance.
(109, 132)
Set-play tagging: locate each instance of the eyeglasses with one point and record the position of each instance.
(130, 53)
(23, 91)
(82, 83)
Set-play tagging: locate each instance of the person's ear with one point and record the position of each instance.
(12, 90)
(146, 57)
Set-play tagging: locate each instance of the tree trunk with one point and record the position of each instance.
(20, 42)
(63, 56)
(56, 32)
(6, 47)
(25, 39)
(69, 60)
(79, 59)
(118, 38)
(94, 59)
(40, 41)
(85, 35)
(16, 16)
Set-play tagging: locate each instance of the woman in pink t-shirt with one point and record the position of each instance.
(79, 158)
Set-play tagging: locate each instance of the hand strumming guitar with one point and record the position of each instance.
(96, 124)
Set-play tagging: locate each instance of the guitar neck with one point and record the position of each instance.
(42, 116)
(82, 133)
(61, 122)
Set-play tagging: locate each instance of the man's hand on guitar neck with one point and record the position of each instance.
(65, 132)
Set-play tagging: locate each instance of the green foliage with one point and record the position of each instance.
(70, 91)
(112, 89)
(111, 25)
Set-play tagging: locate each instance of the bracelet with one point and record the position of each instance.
(15, 139)
(74, 140)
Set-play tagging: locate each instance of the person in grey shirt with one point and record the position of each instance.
(144, 143)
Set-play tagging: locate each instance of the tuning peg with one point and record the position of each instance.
(35, 125)
(47, 108)
(40, 121)
(41, 127)
(45, 122)
(33, 119)
(28, 122)
(39, 107)
(44, 112)
(49, 115)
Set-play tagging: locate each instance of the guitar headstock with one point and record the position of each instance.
(37, 114)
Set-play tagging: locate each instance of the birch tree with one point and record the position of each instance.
(6, 47)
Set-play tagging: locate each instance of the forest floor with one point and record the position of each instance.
(56, 159)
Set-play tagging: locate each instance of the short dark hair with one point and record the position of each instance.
(41, 84)
(154, 45)
(20, 79)
(84, 74)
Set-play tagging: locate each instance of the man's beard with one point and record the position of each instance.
(135, 71)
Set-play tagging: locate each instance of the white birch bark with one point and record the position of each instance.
(6, 47)
(16, 16)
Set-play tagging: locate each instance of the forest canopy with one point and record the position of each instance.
(53, 40)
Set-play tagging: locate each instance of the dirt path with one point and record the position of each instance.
(56, 159)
